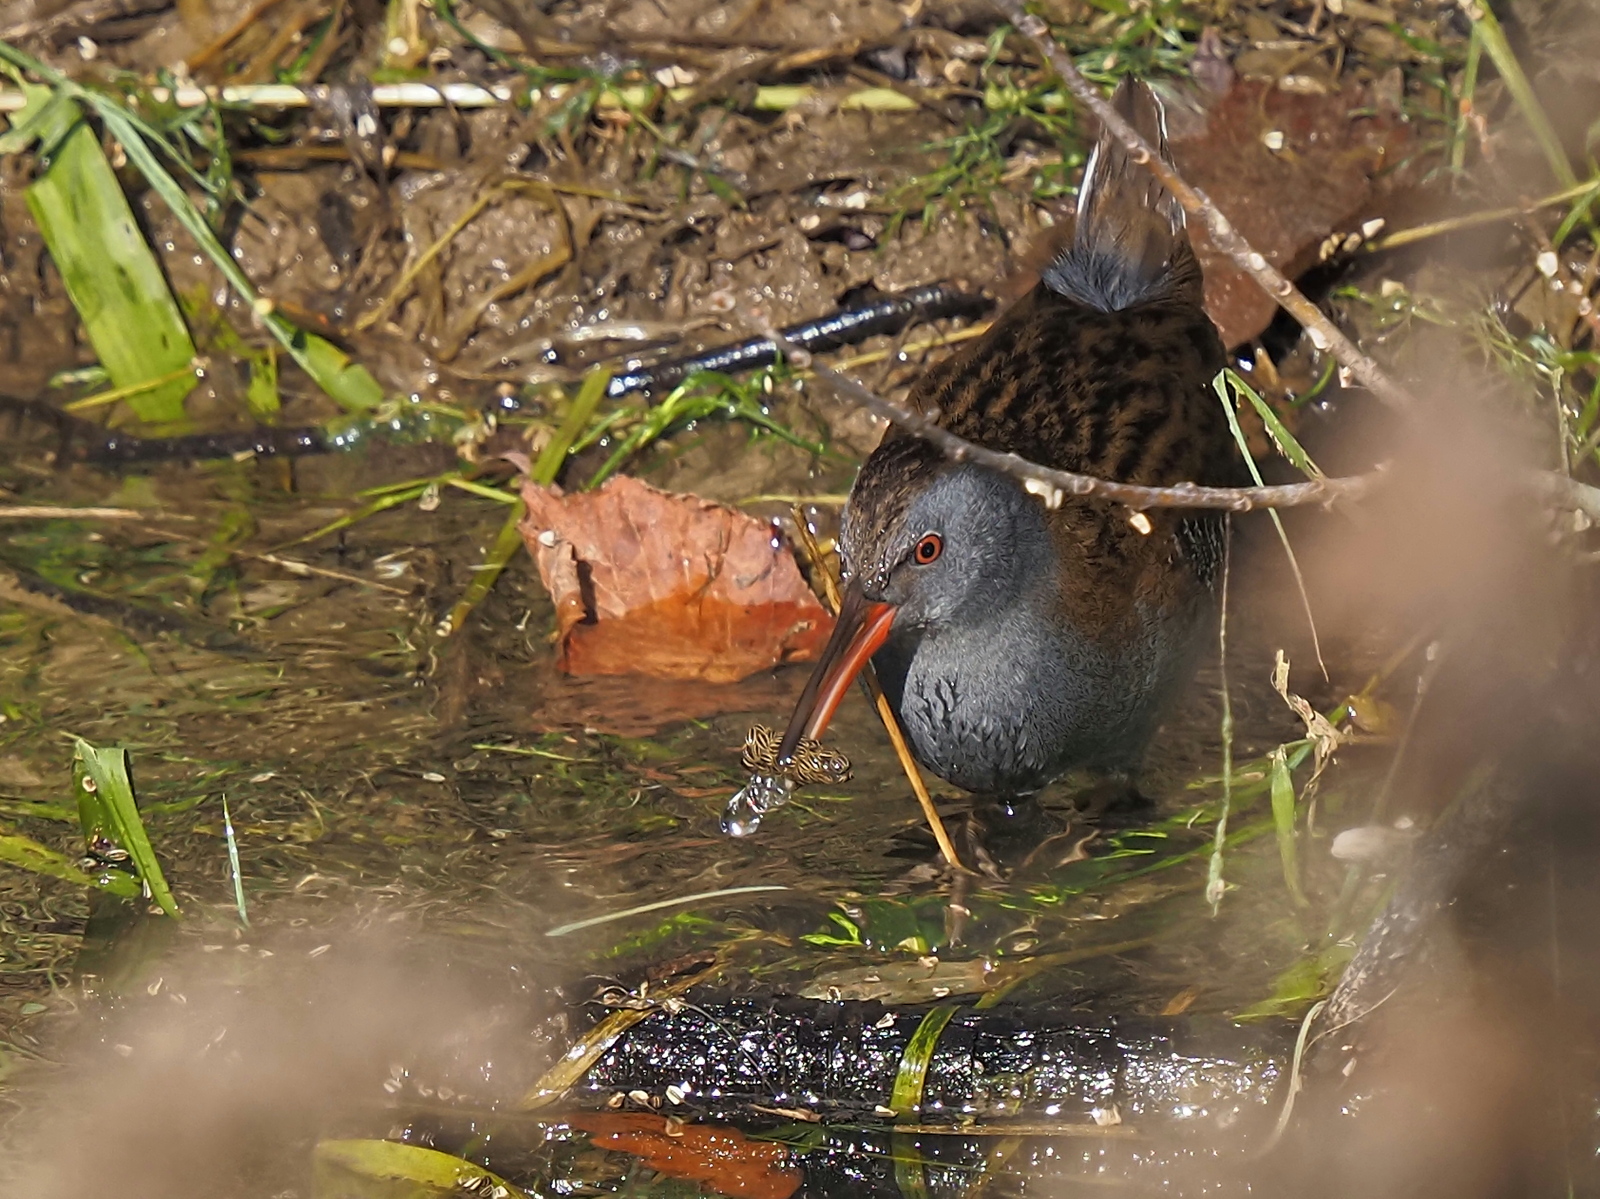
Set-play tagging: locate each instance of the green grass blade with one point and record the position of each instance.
(1469, 88)
(45, 123)
(509, 541)
(262, 392)
(1283, 820)
(106, 802)
(1500, 53)
(910, 1078)
(1220, 383)
(110, 273)
(486, 573)
(27, 854)
(1281, 437)
(233, 864)
(348, 383)
(1579, 213)
(1216, 885)
(590, 393)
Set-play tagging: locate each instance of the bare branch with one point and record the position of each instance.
(1324, 333)
(1052, 484)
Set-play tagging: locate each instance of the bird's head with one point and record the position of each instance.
(924, 543)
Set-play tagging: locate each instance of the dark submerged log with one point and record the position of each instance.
(844, 1059)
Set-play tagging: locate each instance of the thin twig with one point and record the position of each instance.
(417, 94)
(295, 567)
(1053, 483)
(1324, 333)
(880, 701)
(66, 512)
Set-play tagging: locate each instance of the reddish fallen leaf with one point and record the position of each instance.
(724, 1158)
(675, 586)
(636, 706)
(1319, 180)
(1322, 179)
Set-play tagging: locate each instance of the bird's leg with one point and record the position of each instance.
(1116, 797)
(1003, 830)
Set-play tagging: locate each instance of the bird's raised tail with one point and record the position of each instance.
(1130, 245)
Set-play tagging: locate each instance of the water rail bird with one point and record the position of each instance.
(1017, 641)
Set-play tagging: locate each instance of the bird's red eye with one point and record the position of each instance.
(928, 549)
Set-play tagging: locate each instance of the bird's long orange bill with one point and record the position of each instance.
(862, 628)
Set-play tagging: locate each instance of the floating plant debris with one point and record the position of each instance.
(772, 784)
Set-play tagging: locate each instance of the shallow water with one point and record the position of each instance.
(415, 817)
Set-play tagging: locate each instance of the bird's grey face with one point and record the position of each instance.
(961, 550)
(955, 544)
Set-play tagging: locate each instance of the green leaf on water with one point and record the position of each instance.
(110, 273)
(1283, 820)
(262, 392)
(107, 808)
(348, 383)
(358, 1169)
(27, 854)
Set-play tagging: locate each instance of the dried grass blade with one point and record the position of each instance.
(575, 1063)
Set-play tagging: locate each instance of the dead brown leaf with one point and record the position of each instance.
(1324, 738)
(638, 706)
(1259, 144)
(674, 586)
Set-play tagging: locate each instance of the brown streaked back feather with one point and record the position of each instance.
(1121, 395)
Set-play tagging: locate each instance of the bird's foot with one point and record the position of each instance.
(1113, 800)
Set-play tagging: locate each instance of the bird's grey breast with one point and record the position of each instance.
(1007, 707)
(990, 707)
